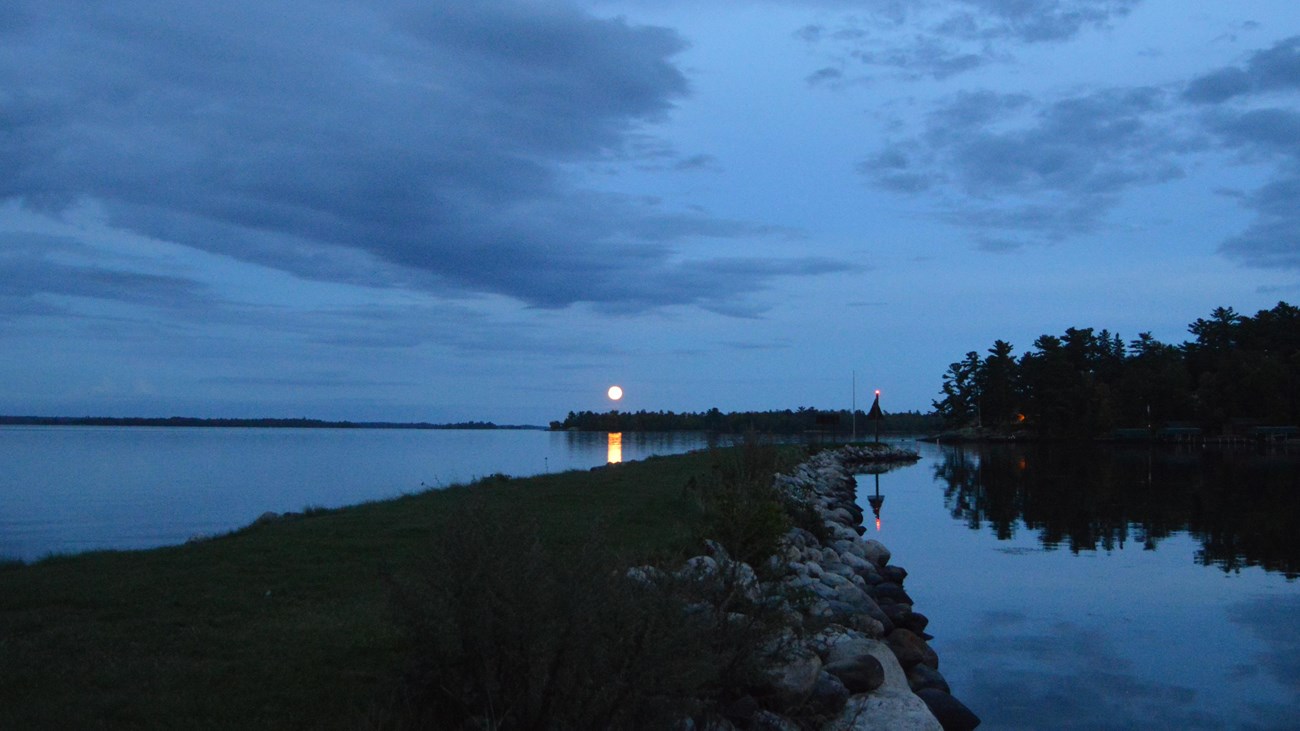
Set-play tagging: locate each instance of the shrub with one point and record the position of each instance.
(741, 507)
(506, 632)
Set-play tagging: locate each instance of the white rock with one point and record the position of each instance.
(891, 707)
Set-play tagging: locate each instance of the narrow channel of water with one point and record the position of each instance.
(1098, 588)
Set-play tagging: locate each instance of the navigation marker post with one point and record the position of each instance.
(876, 414)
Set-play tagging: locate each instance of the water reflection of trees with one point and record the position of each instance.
(1244, 508)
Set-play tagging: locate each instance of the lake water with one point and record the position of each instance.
(1094, 588)
(1068, 588)
(72, 489)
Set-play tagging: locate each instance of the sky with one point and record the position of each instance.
(493, 210)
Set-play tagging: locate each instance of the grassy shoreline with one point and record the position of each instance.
(286, 624)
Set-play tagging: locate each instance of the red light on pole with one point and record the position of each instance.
(876, 414)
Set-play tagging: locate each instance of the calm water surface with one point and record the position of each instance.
(70, 489)
(1093, 588)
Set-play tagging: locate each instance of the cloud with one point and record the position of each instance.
(1015, 170)
(34, 282)
(386, 144)
(1251, 110)
(1271, 620)
(1076, 670)
(1269, 70)
(1034, 21)
(943, 38)
(1272, 241)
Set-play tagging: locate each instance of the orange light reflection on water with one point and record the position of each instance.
(615, 454)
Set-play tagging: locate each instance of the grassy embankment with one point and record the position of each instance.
(291, 624)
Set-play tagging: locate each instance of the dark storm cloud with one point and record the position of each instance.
(1014, 170)
(384, 143)
(1251, 110)
(948, 37)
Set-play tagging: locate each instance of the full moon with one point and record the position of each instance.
(615, 393)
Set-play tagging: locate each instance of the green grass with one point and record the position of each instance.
(286, 624)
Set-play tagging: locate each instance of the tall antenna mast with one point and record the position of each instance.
(853, 414)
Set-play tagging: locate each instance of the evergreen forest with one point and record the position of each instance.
(1237, 374)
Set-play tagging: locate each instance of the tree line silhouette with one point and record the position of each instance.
(799, 421)
(1237, 372)
(1242, 506)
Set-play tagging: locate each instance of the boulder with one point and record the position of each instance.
(899, 614)
(917, 622)
(952, 714)
(829, 694)
(741, 710)
(843, 517)
(860, 674)
(769, 721)
(849, 646)
(922, 676)
(894, 574)
(911, 650)
(791, 680)
(890, 707)
(876, 552)
(890, 592)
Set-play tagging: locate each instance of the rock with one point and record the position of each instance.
(876, 552)
(829, 694)
(890, 707)
(871, 577)
(922, 676)
(645, 575)
(899, 614)
(741, 710)
(911, 650)
(835, 581)
(267, 517)
(800, 538)
(793, 678)
(854, 548)
(841, 516)
(952, 714)
(856, 562)
(700, 567)
(715, 549)
(742, 576)
(870, 627)
(917, 622)
(853, 596)
(769, 721)
(861, 674)
(890, 592)
(848, 646)
(894, 574)
(822, 590)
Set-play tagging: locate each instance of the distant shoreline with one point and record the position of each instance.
(188, 421)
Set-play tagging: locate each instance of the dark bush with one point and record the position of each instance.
(741, 507)
(506, 632)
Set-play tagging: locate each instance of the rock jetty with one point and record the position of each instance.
(856, 657)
